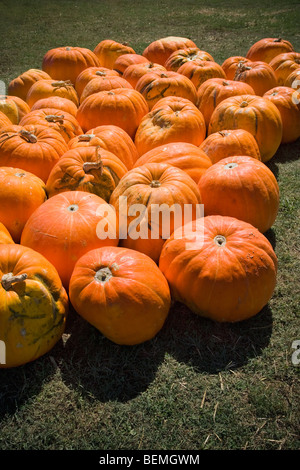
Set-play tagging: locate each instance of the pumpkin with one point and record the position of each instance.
(67, 226)
(66, 63)
(228, 142)
(267, 48)
(49, 88)
(241, 187)
(231, 64)
(284, 64)
(61, 121)
(135, 71)
(109, 50)
(33, 305)
(160, 50)
(259, 75)
(111, 138)
(5, 236)
(31, 148)
(220, 267)
(198, 71)
(156, 85)
(215, 90)
(56, 102)
(14, 107)
(121, 107)
(122, 293)
(172, 119)
(20, 85)
(92, 72)
(188, 157)
(293, 80)
(284, 99)
(169, 189)
(90, 169)
(21, 193)
(254, 114)
(181, 56)
(4, 121)
(123, 61)
(103, 84)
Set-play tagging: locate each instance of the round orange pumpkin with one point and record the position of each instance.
(284, 64)
(67, 226)
(231, 64)
(267, 48)
(222, 268)
(109, 50)
(14, 107)
(181, 56)
(241, 187)
(103, 84)
(259, 75)
(4, 121)
(33, 305)
(125, 60)
(89, 74)
(135, 71)
(20, 85)
(56, 102)
(198, 71)
(5, 236)
(48, 88)
(160, 50)
(122, 293)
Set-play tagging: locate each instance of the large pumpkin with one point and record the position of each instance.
(254, 114)
(56, 102)
(135, 71)
(122, 293)
(68, 225)
(89, 74)
(49, 88)
(20, 85)
(284, 64)
(91, 169)
(177, 58)
(109, 50)
(160, 50)
(31, 148)
(125, 60)
(33, 305)
(103, 84)
(220, 267)
(231, 64)
(259, 75)
(172, 119)
(5, 236)
(267, 48)
(241, 187)
(198, 71)
(21, 193)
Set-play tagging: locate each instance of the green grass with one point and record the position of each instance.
(197, 384)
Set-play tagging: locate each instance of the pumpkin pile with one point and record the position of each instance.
(95, 140)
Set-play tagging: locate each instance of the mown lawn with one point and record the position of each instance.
(198, 384)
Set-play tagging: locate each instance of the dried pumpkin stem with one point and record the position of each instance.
(9, 279)
(85, 137)
(54, 118)
(88, 166)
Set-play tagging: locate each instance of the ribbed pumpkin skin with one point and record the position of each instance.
(48, 88)
(293, 80)
(228, 142)
(4, 121)
(56, 102)
(5, 236)
(215, 90)
(111, 138)
(183, 155)
(177, 58)
(32, 312)
(66, 63)
(21, 193)
(241, 187)
(121, 107)
(135, 71)
(122, 293)
(229, 276)
(125, 60)
(198, 71)
(155, 85)
(69, 173)
(259, 75)
(284, 64)
(22, 107)
(153, 183)
(284, 99)
(231, 64)
(103, 84)
(10, 110)
(267, 48)
(172, 119)
(109, 50)
(89, 74)
(66, 227)
(160, 50)
(36, 151)
(256, 115)
(20, 85)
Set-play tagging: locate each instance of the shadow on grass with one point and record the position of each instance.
(287, 152)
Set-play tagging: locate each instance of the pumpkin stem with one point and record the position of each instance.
(9, 279)
(101, 73)
(155, 184)
(223, 133)
(28, 136)
(88, 166)
(62, 83)
(85, 137)
(103, 275)
(243, 104)
(220, 240)
(277, 40)
(231, 165)
(54, 118)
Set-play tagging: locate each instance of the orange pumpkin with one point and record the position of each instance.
(90, 169)
(284, 64)
(21, 193)
(33, 305)
(284, 99)
(172, 119)
(181, 56)
(66, 63)
(241, 187)
(103, 84)
(160, 50)
(135, 71)
(198, 71)
(14, 107)
(231, 64)
(259, 75)
(254, 114)
(20, 85)
(267, 48)
(92, 72)
(228, 142)
(169, 189)
(188, 157)
(67, 226)
(121, 107)
(156, 85)
(35, 149)
(122, 293)
(109, 50)
(293, 80)
(5, 236)
(123, 61)
(4, 121)
(56, 102)
(215, 90)
(48, 88)
(111, 138)
(222, 268)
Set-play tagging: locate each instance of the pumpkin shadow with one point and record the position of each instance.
(212, 347)
(287, 152)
